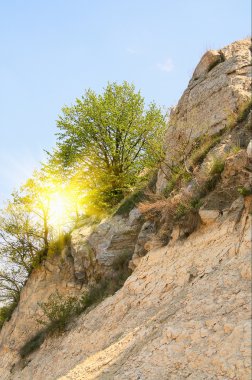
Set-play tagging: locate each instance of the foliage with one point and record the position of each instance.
(240, 116)
(200, 153)
(20, 235)
(217, 166)
(235, 149)
(110, 139)
(57, 245)
(108, 285)
(244, 111)
(12, 281)
(181, 210)
(179, 176)
(6, 312)
(130, 202)
(244, 191)
(58, 311)
(196, 203)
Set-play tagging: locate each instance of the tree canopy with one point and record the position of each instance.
(110, 137)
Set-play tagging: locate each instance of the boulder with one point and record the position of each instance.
(208, 216)
(94, 250)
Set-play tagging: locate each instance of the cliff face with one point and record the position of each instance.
(183, 313)
(218, 89)
(185, 310)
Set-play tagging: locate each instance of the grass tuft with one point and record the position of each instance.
(244, 111)
(60, 311)
(217, 166)
(200, 153)
(130, 202)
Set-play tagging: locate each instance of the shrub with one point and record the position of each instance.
(196, 203)
(58, 311)
(209, 185)
(109, 285)
(244, 111)
(56, 246)
(200, 153)
(6, 312)
(244, 191)
(235, 149)
(169, 187)
(242, 115)
(217, 166)
(95, 294)
(181, 210)
(130, 202)
(179, 176)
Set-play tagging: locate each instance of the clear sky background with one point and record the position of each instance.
(52, 50)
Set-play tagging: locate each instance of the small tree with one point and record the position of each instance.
(21, 237)
(11, 284)
(34, 197)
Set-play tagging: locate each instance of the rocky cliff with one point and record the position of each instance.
(184, 313)
(218, 89)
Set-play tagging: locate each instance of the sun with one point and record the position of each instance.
(60, 209)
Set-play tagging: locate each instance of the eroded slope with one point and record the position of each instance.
(184, 313)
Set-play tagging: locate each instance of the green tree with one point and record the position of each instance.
(21, 238)
(111, 138)
(35, 199)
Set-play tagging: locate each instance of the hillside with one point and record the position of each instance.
(184, 312)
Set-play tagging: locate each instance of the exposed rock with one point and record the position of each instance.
(183, 313)
(146, 233)
(115, 236)
(208, 216)
(211, 98)
(234, 164)
(209, 60)
(94, 249)
(86, 267)
(249, 149)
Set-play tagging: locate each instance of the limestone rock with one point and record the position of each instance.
(146, 233)
(209, 59)
(95, 249)
(183, 313)
(208, 216)
(85, 264)
(249, 149)
(218, 89)
(115, 236)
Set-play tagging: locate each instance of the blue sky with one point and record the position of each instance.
(52, 50)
